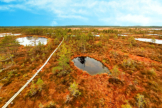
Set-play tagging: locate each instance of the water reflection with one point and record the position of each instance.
(90, 65)
(82, 60)
(149, 40)
(30, 40)
(9, 34)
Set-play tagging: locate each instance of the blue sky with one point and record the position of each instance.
(80, 12)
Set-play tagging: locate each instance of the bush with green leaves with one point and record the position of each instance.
(41, 105)
(74, 89)
(99, 44)
(64, 58)
(132, 40)
(43, 55)
(49, 46)
(32, 59)
(153, 40)
(127, 105)
(22, 65)
(1, 99)
(129, 63)
(152, 46)
(56, 41)
(115, 71)
(35, 88)
(1, 66)
(114, 53)
(40, 83)
(152, 71)
(55, 69)
(140, 101)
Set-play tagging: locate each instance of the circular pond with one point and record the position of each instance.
(90, 65)
(30, 40)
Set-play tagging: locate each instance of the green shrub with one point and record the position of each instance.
(37, 55)
(129, 63)
(132, 40)
(99, 44)
(22, 65)
(64, 58)
(74, 89)
(127, 105)
(55, 69)
(56, 41)
(10, 74)
(1, 99)
(114, 53)
(152, 46)
(25, 75)
(140, 101)
(152, 71)
(115, 71)
(33, 90)
(40, 84)
(41, 105)
(153, 40)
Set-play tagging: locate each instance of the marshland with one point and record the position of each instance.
(105, 67)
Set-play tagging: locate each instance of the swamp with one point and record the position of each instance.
(103, 67)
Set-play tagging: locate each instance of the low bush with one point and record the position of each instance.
(74, 89)
(115, 71)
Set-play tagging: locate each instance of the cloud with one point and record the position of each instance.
(4, 8)
(12, 7)
(138, 19)
(53, 23)
(73, 17)
(111, 12)
(7, 1)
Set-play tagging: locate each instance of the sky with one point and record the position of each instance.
(80, 12)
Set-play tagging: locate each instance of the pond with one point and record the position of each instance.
(153, 34)
(156, 29)
(149, 40)
(30, 40)
(9, 34)
(90, 65)
(97, 35)
(122, 35)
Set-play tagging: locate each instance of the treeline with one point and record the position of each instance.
(52, 31)
(110, 31)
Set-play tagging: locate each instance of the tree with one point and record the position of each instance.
(74, 89)
(153, 40)
(115, 71)
(64, 57)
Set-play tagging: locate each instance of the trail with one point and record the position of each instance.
(16, 94)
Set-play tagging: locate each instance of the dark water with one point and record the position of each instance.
(90, 65)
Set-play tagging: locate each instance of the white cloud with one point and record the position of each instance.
(118, 11)
(53, 23)
(73, 17)
(7, 1)
(4, 8)
(138, 19)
